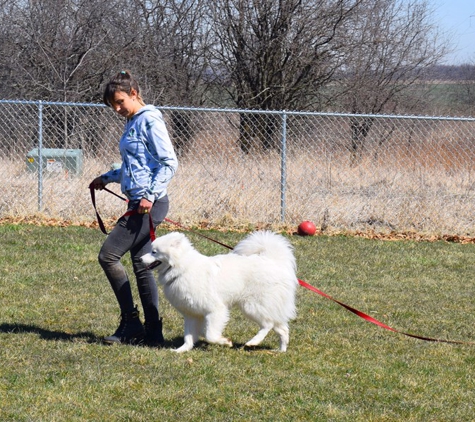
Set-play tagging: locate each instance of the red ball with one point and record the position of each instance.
(306, 228)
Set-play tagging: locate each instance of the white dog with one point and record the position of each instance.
(258, 276)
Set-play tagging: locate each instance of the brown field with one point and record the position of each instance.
(406, 175)
(232, 192)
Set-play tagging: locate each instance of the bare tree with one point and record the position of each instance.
(391, 44)
(347, 55)
(60, 51)
(173, 58)
(57, 48)
(182, 40)
(275, 55)
(6, 66)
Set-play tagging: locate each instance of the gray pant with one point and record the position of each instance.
(132, 234)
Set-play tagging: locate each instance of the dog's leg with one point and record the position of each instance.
(283, 331)
(215, 323)
(193, 328)
(261, 334)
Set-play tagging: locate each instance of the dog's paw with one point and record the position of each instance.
(182, 349)
(223, 342)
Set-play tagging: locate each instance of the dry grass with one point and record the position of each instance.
(391, 193)
(246, 193)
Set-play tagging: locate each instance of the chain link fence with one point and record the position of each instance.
(251, 169)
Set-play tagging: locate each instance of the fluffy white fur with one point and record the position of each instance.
(258, 276)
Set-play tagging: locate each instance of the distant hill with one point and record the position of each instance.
(465, 72)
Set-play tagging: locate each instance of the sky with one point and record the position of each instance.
(457, 17)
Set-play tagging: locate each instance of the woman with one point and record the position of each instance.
(148, 164)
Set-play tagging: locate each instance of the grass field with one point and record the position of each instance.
(56, 305)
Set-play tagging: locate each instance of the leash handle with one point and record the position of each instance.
(127, 214)
(93, 200)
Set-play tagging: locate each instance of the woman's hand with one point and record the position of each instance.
(98, 183)
(145, 206)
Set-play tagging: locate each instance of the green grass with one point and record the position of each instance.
(56, 305)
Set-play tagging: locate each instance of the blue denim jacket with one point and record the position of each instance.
(148, 159)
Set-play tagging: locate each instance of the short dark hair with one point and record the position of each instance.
(122, 82)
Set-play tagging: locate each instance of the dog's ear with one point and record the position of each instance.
(175, 243)
(175, 246)
(176, 240)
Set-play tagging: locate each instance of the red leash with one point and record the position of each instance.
(375, 321)
(301, 282)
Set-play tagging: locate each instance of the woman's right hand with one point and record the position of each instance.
(97, 183)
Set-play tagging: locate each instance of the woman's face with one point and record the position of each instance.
(124, 104)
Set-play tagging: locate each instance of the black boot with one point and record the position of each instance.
(130, 331)
(153, 333)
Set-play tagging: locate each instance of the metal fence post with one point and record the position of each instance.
(40, 156)
(283, 175)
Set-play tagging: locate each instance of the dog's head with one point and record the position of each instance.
(166, 250)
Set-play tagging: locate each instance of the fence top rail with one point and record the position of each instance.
(47, 103)
(250, 111)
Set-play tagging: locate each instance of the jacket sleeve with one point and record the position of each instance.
(112, 176)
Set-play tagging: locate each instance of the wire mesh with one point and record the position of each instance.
(244, 168)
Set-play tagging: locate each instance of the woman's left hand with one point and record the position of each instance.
(145, 206)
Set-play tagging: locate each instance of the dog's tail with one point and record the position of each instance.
(269, 244)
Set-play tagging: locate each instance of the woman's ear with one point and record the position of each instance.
(133, 94)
